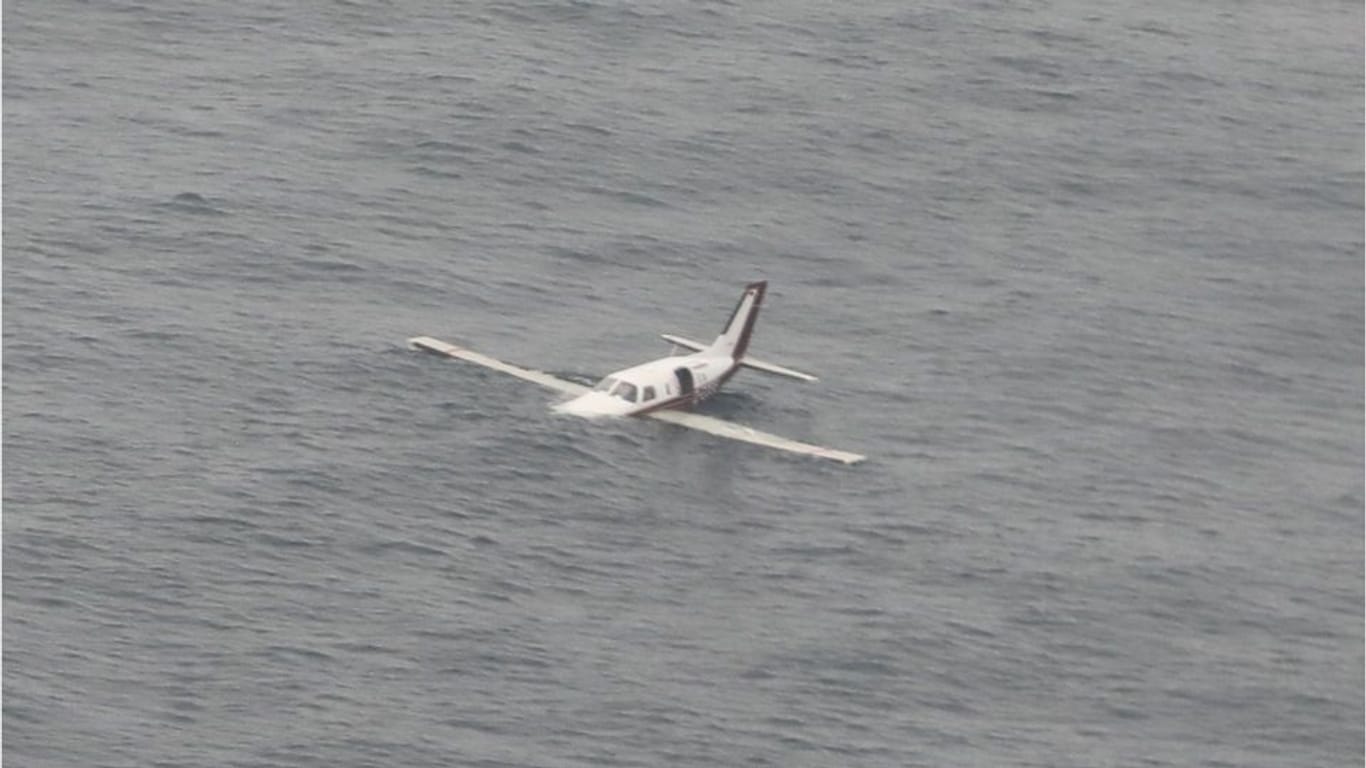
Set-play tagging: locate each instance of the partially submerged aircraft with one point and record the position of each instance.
(663, 389)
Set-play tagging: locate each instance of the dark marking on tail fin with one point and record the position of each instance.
(734, 339)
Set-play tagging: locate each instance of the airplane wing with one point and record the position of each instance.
(436, 346)
(730, 429)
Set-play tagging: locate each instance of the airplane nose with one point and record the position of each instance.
(571, 407)
(591, 404)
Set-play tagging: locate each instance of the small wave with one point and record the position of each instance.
(195, 203)
(329, 265)
(439, 77)
(424, 170)
(629, 196)
(596, 130)
(447, 147)
(286, 653)
(404, 547)
(521, 147)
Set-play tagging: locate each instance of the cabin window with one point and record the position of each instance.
(647, 395)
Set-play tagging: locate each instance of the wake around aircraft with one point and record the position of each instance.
(666, 389)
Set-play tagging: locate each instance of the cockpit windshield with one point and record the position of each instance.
(618, 388)
(626, 391)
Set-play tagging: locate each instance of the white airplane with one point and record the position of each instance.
(662, 389)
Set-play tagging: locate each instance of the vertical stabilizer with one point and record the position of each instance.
(734, 340)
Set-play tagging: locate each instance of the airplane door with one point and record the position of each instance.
(684, 381)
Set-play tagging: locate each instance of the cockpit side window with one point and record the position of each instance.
(647, 395)
(605, 385)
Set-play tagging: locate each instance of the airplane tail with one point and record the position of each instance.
(734, 340)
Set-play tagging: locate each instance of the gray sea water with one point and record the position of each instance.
(1083, 279)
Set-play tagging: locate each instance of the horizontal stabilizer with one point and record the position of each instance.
(777, 370)
(679, 341)
(747, 362)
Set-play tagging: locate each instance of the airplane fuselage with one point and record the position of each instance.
(678, 381)
(670, 382)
